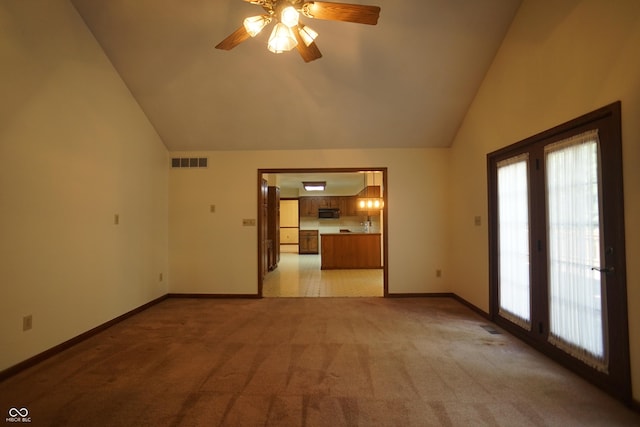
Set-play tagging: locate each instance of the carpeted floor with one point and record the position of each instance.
(307, 362)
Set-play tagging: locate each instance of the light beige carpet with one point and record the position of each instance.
(307, 362)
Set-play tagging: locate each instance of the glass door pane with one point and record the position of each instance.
(570, 240)
(513, 242)
(574, 253)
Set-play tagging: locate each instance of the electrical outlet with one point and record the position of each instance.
(438, 273)
(116, 219)
(27, 322)
(249, 222)
(212, 208)
(477, 220)
(160, 277)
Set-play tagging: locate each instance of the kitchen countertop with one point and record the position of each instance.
(351, 233)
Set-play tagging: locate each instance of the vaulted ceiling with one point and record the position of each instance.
(406, 82)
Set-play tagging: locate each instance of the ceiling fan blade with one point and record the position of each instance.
(234, 39)
(308, 53)
(358, 13)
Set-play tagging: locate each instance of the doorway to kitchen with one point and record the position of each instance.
(336, 243)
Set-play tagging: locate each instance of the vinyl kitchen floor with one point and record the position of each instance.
(301, 276)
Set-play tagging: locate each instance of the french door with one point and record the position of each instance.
(557, 257)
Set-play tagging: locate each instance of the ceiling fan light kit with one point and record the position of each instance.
(289, 16)
(255, 24)
(289, 32)
(308, 34)
(281, 39)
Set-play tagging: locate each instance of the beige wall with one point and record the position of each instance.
(560, 59)
(214, 253)
(75, 150)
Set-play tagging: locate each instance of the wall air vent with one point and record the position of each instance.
(189, 162)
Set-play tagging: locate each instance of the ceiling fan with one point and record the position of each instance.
(289, 32)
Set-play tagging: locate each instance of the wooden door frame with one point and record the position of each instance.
(385, 213)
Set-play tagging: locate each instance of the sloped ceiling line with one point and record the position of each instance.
(404, 83)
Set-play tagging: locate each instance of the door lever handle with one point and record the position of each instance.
(606, 270)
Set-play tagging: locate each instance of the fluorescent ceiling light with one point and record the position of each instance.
(314, 186)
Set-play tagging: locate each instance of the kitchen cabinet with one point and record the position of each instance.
(328, 202)
(273, 227)
(370, 191)
(351, 250)
(308, 242)
(264, 217)
(348, 206)
(308, 207)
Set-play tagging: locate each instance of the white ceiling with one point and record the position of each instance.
(406, 82)
(337, 183)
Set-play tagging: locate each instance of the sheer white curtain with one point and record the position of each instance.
(573, 223)
(513, 243)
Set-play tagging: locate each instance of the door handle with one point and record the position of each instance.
(606, 270)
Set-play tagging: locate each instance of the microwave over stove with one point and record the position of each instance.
(327, 213)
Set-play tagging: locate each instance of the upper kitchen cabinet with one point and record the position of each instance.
(328, 202)
(369, 192)
(349, 206)
(308, 206)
